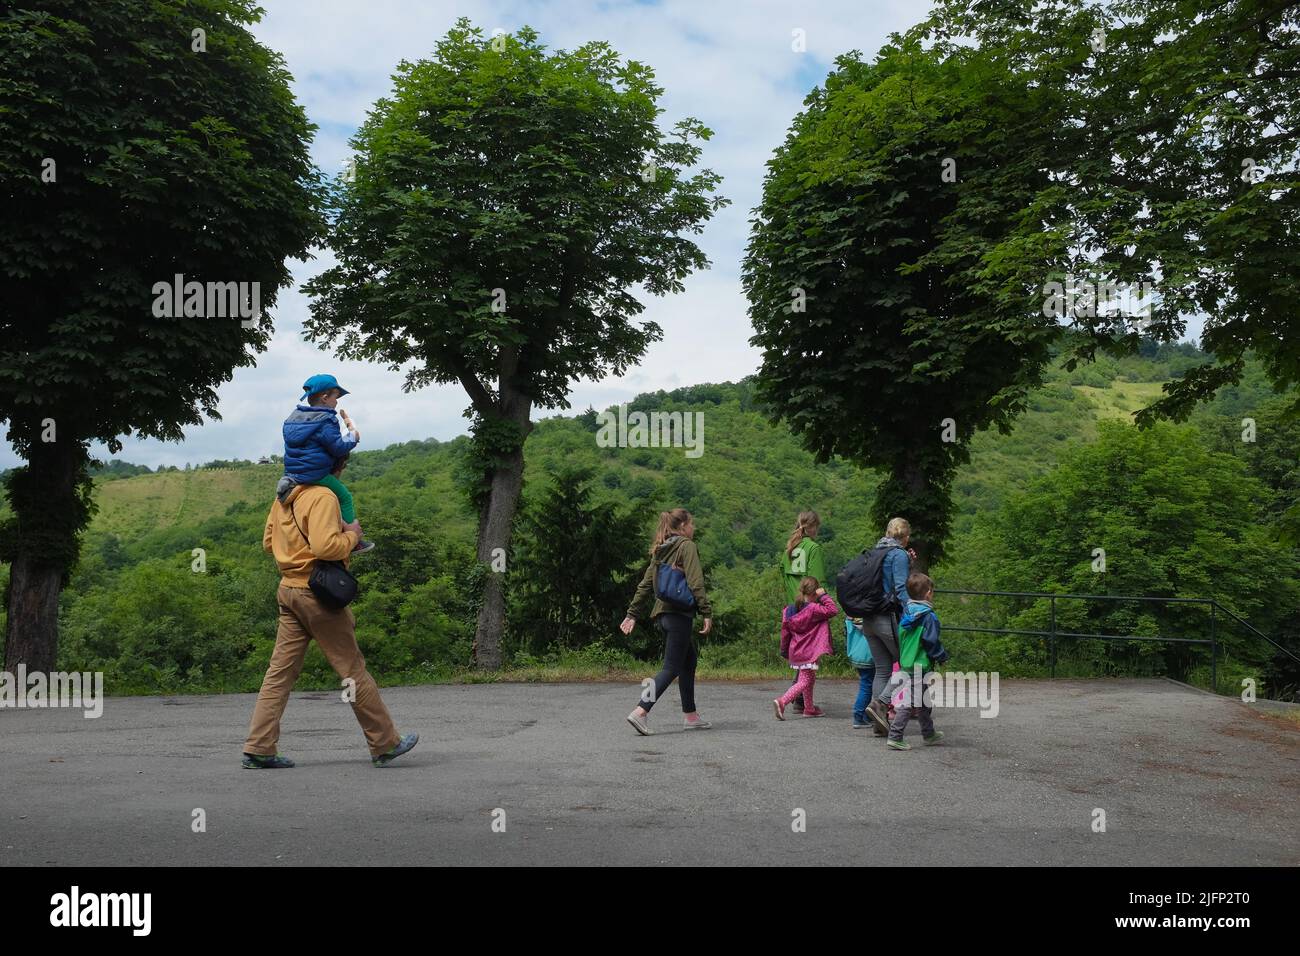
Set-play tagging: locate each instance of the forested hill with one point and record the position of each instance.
(1180, 510)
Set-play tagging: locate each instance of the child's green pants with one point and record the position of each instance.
(346, 509)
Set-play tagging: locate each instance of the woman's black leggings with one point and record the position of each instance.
(680, 656)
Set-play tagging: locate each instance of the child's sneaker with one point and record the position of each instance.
(779, 708)
(363, 546)
(934, 738)
(899, 745)
(814, 711)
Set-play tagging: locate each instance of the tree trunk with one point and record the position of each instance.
(496, 523)
(48, 515)
(915, 489)
(32, 630)
(908, 493)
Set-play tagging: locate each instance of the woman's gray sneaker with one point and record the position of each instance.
(639, 723)
(700, 724)
(878, 711)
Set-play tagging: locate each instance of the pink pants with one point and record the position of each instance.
(804, 686)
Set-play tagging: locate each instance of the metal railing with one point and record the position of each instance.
(1052, 634)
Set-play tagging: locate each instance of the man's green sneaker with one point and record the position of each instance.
(258, 762)
(899, 745)
(934, 738)
(403, 745)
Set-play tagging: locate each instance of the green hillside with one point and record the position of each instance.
(137, 609)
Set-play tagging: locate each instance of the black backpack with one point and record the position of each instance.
(860, 587)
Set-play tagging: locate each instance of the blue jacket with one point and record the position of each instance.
(895, 570)
(313, 442)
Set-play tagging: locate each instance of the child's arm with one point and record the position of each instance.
(335, 442)
(824, 609)
(356, 435)
(930, 640)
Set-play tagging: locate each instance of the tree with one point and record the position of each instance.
(576, 565)
(141, 151)
(894, 267)
(1187, 173)
(504, 203)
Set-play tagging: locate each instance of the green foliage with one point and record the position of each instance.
(574, 567)
(922, 323)
(164, 143)
(118, 469)
(502, 166)
(1179, 144)
(1173, 518)
(1212, 500)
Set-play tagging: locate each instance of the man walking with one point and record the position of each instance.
(301, 530)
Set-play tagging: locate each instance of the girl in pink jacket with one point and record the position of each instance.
(805, 636)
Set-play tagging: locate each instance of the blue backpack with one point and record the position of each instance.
(856, 646)
(672, 589)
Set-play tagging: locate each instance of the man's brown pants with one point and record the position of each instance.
(304, 619)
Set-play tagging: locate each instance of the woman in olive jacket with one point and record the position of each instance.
(673, 545)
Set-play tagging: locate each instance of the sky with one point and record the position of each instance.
(730, 64)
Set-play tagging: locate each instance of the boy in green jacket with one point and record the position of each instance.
(918, 645)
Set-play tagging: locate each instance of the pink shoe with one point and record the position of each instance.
(814, 712)
(779, 708)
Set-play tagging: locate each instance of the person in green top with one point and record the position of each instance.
(802, 558)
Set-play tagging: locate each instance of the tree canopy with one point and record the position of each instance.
(1178, 134)
(894, 267)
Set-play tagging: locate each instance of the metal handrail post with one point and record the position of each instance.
(1052, 628)
(1214, 647)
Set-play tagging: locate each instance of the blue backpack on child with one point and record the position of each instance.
(856, 646)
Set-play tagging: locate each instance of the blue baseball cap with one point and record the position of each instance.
(321, 383)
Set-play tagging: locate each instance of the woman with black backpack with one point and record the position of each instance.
(873, 588)
(676, 581)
